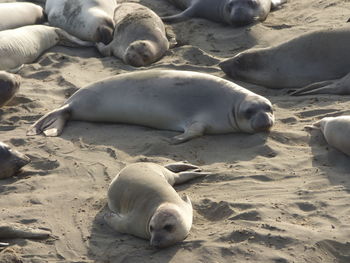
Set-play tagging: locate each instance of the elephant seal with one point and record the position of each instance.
(89, 20)
(309, 58)
(25, 44)
(9, 85)
(13, 15)
(139, 37)
(232, 12)
(11, 161)
(144, 203)
(335, 131)
(192, 102)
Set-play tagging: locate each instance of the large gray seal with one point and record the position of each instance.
(25, 44)
(89, 20)
(144, 203)
(191, 102)
(312, 57)
(232, 12)
(11, 161)
(13, 15)
(9, 85)
(139, 37)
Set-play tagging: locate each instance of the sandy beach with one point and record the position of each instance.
(278, 197)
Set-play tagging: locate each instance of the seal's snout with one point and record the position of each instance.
(263, 122)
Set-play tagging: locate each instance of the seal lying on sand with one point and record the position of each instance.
(336, 132)
(13, 15)
(139, 37)
(11, 161)
(25, 44)
(89, 20)
(232, 12)
(144, 203)
(9, 85)
(192, 102)
(313, 57)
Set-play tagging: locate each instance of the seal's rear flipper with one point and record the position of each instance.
(18, 231)
(277, 3)
(181, 167)
(71, 41)
(52, 123)
(183, 177)
(186, 14)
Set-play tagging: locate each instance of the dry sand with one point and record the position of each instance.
(278, 197)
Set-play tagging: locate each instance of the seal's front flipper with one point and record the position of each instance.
(188, 13)
(192, 131)
(180, 167)
(277, 3)
(170, 36)
(68, 40)
(104, 50)
(52, 123)
(115, 221)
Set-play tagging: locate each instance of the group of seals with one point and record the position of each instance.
(144, 203)
(89, 20)
(232, 12)
(164, 99)
(309, 58)
(9, 85)
(11, 161)
(139, 37)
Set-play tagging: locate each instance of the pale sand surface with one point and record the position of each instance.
(278, 197)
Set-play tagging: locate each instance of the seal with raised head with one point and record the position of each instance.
(25, 44)
(191, 102)
(309, 58)
(13, 15)
(9, 85)
(11, 161)
(89, 20)
(139, 37)
(232, 12)
(336, 131)
(144, 203)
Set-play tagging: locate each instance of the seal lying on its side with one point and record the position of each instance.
(9, 85)
(336, 132)
(139, 37)
(25, 44)
(188, 101)
(232, 12)
(11, 161)
(13, 15)
(89, 20)
(309, 58)
(144, 203)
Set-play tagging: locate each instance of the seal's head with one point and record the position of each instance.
(253, 114)
(140, 53)
(9, 85)
(169, 225)
(11, 161)
(241, 12)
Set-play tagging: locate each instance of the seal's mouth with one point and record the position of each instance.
(263, 122)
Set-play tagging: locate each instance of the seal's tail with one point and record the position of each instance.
(52, 123)
(71, 41)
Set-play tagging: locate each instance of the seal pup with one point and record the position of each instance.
(337, 86)
(191, 102)
(13, 15)
(232, 12)
(9, 85)
(25, 44)
(139, 37)
(312, 57)
(336, 131)
(89, 20)
(11, 161)
(144, 203)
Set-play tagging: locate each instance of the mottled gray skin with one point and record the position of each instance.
(89, 20)
(139, 38)
(13, 15)
(191, 102)
(312, 57)
(11, 161)
(9, 85)
(232, 12)
(144, 203)
(336, 131)
(25, 44)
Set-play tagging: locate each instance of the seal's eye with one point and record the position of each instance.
(252, 3)
(268, 108)
(151, 228)
(168, 228)
(145, 57)
(249, 113)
